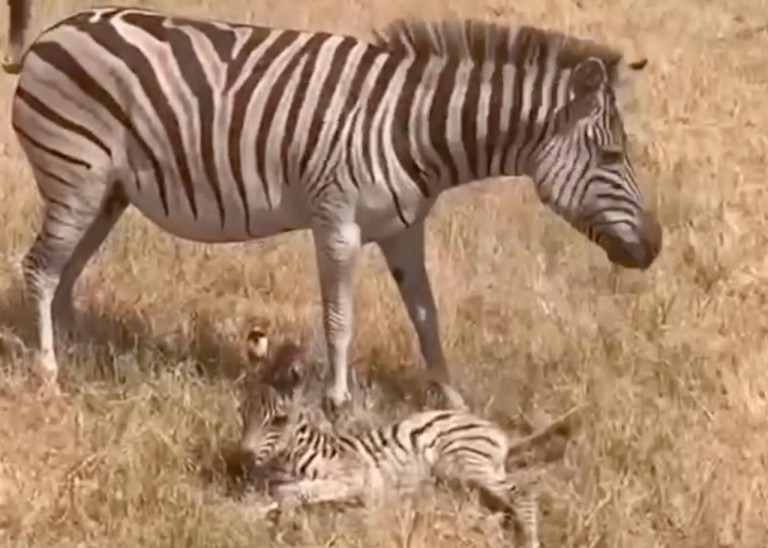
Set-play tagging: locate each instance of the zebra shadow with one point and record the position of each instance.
(105, 344)
(121, 349)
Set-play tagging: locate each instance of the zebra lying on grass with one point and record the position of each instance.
(221, 132)
(307, 463)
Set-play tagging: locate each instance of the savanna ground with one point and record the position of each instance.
(670, 364)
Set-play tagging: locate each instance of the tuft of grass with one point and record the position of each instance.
(669, 364)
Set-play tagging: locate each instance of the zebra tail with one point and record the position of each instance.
(18, 20)
(547, 444)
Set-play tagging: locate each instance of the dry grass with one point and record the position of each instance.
(670, 364)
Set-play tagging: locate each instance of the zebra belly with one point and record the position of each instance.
(226, 221)
(380, 217)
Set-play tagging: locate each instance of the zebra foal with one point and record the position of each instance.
(309, 461)
(222, 132)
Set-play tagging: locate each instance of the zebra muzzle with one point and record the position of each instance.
(641, 251)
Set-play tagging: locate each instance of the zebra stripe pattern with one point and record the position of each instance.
(310, 464)
(308, 460)
(221, 132)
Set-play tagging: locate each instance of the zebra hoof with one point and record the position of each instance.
(443, 396)
(64, 321)
(336, 408)
(48, 375)
(271, 512)
(10, 66)
(49, 390)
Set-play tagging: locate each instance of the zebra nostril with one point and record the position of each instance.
(635, 247)
(628, 255)
(651, 235)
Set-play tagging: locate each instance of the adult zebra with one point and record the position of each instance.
(223, 132)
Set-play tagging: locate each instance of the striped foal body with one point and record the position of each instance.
(315, 464)
(222, 132)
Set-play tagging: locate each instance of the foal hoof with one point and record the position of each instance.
(443, 396)
(270, 511)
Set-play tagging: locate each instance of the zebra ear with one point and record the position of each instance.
(288, 369)
(588, 77)
(257, 347)
(580, 107)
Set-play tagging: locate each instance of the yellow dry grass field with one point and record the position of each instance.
(670, 364)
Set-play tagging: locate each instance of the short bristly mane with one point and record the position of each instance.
(482, 41)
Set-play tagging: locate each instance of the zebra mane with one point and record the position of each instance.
(482, 41)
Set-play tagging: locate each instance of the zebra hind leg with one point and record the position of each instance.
(519, 503)
(110, 212)
(71, 232)
(404, 254)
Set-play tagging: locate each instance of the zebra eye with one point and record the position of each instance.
(280, 421)
(611, 155)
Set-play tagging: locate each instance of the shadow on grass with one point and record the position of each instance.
(104, 346)
(123, 349)
(101, 342)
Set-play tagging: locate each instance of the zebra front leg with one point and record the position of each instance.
(404, 253)
(337, 247)
(526, 507)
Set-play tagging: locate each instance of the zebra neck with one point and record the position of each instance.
(306, 431)
(467, 121)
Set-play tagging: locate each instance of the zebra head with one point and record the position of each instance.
(265, 415)
(273, 396)
(583, 171)
(284, 369)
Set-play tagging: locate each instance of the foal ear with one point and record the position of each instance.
(257, 349)
(288, 368)
(588, 77)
